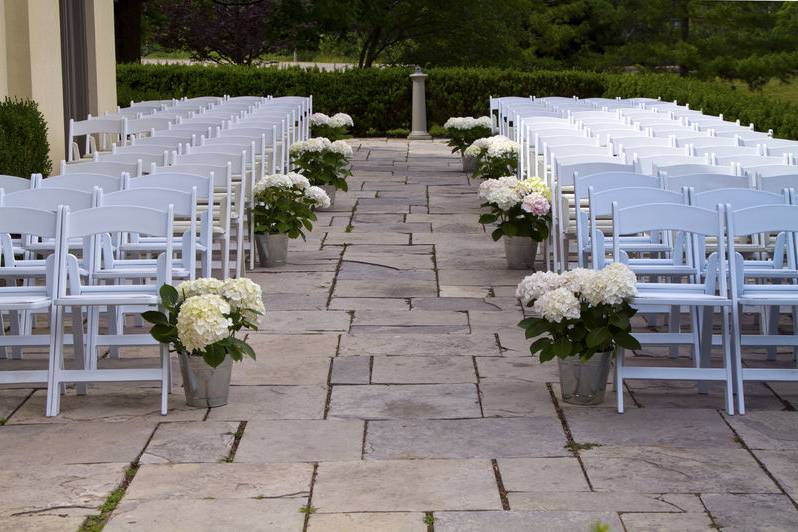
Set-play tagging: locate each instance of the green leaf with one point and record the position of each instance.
(156, 317)
(243, 347)
(164, 333)
(487, 218)
(539, 344)
(620, 321)
(214, 355)
(598, 337)
(169, 295)
(562, 347)
(497, 234)
(627, 341)
(536, 329)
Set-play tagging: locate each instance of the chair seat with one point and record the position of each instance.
(673, 294)
(30, 300)
(776, 294)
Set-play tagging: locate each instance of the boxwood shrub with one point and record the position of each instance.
(23, 139)
(379, 99)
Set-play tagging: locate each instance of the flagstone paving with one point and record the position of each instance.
(394, 392)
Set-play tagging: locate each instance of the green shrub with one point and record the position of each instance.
(379, 99)
(23, 139)
(398, 132)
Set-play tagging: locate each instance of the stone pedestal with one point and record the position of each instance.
(419, 119)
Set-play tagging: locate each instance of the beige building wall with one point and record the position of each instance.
(3, 54)
(32, 46)
(101, 58)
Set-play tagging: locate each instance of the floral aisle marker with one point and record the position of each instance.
(495, 156)
(463, 131)
(324, 162)
(200, 324)
(522, 209)
(283, 208)
(582, 317)
(335, 127)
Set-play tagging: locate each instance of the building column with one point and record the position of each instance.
(33, 63)
(101, 56)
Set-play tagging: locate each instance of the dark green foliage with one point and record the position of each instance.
(283, 210)
(24, 149)
(379, 99)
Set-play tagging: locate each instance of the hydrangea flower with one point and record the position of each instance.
(202, 321)
(298, 180)
(340, 120)
(197, 287)
(245, 296)
(557, 305)
(342, 147)
(319, 196)
(535, 203)
(535, 285)
(611, 286)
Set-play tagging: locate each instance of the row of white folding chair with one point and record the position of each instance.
(106, 130)
(739, 222)
(114, 168)
(64, 288)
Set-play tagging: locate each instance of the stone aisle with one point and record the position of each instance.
(393, 392)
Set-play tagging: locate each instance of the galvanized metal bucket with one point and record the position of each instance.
(520, 252)
(203, 385)
(584, 383)
(272, 249)
(330, 190)
(469, 164)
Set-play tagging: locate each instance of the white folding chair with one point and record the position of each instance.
(102, 167)
(108, 130)
(11, 183)
(72, 292)
(781, 219)
(696, 224)
(81, 181)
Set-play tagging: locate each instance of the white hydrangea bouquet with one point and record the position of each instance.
(521, 207)
(203, 317)
(580, 312)
(333, 127)
(495, 156)
(322, 161)
(284, 203)
(464, 130)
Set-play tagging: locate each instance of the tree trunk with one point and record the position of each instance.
(127, 30)
(683, 13)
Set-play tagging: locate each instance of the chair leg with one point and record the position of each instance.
(17, 326)
(56, 362)
(116, 326)
(619, 380)
(704, 354)
(727, 364)
(770, 324)
(737, 358)
(674, 327)
(165, 379)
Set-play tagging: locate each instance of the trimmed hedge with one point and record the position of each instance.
(23, 139)
(379, 99)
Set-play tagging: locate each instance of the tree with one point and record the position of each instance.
(127, 30)
(231, 31)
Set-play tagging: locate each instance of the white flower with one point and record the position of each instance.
(342, 147)
(316, 144)
(298, 180)
(502, 147)
(487, 186)
(341, 120)
(273, 181)
(468, 122)
(202, 321)
(578, 279)
(319, 196)
(472, 151)
(557, 305)
(484, 121)
(535, 285)
(613, 285)
(503, 197)
(319, 119)
(198, 287)
(245, 296)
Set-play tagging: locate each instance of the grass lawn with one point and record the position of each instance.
(775, 88)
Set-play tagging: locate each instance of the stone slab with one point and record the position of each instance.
(526, 369)
(767, 429)
(191, 515)
(379, 401)
(317, 301)
(369, 303)
(421, 345)
(11, 399)
(524, 521)
(272, 402)
(192, 442)
(665, 427)
(668, 522)
(422, 370)
(351, 370)
(362, 271)
(783, 465)
(751, 512)
(281, 369)
(394, 289)
(465, 438)
(68, 490)
(670, 470)
(410, 317)
(300, 441)
(305, 321)
(293, 282)
(510, 399)
(405, 485)
(295, 345)
(60, 444)
(587, 501)
(109, 403)
(455, 303)
(551, 474)
(368, 522)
